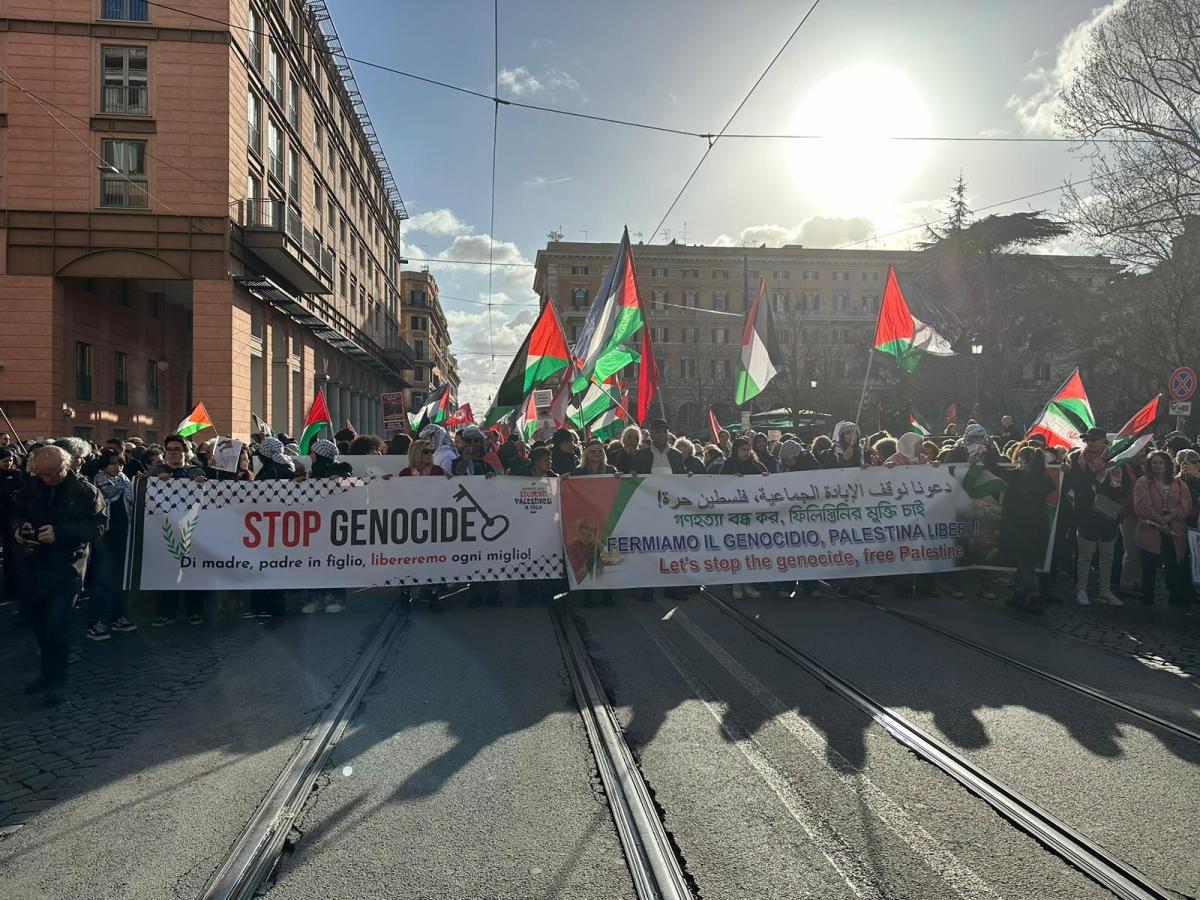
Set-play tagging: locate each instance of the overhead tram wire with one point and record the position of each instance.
(492, 204)
(107, 167)
(629, 123)
(712, 141)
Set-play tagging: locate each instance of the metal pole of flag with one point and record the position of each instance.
(863, 396)
(20, 443)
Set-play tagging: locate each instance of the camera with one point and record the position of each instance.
(28, 533)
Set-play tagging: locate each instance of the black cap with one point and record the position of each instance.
(1094, 434)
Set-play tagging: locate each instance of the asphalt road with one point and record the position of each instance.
(466, 772)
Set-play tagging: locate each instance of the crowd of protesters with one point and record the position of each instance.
(68, 508)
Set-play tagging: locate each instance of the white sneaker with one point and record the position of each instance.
(309, 607)
(738, 592)
(1081, 598)
(335, 607)
(1107, 596)
(752, 592)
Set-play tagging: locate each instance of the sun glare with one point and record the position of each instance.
(857, 173)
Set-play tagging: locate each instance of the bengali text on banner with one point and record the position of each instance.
(663, 530)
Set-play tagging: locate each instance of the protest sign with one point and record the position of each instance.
(661, 530)
(343, 532)
(226, 454)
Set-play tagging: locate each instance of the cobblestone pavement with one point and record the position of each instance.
(1159, 636)
(117, 688)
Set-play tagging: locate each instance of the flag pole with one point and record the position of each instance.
(615, 401)
(20, 443)
(866, 378)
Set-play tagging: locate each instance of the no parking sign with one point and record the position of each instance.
(1182, 383)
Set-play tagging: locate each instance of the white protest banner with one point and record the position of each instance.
(643, 531)
(343, 532)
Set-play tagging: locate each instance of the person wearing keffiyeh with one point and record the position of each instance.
(274, 464)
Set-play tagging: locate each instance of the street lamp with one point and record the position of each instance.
(976, 352)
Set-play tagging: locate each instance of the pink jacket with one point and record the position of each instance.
(1148, 505)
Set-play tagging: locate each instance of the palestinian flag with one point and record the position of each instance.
(318, 418)
(597, 400)
(613, 320)
(1066, 416)
(901, 334)
(590, 514)
(916, 426)
(262, 427)
(1143, 421)
(647, 378)
(196, 420)
(527, 419)
(761, 359)
(542, 355)
(609, 424)
(1131, 450)
(437, 409)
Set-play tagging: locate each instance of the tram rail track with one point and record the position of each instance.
(653, 863)
(257, 850)
(1109, 871)
(1077, 686)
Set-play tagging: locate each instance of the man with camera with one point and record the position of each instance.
(56, 517)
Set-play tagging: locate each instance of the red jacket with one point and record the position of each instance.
(1148, 505)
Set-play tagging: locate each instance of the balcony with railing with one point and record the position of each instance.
(125, 99)
(275, 233)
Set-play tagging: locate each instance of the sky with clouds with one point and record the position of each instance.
(860, 68)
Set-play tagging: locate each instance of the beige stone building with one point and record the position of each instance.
(190, 211)
(826, 303)
(423, 327)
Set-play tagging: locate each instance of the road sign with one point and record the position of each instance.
(1183, 383)
(1181, 407)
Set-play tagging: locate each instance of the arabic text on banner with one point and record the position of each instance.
(658, 530)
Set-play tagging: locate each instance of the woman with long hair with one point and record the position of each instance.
(1162, 503)
(594, 461)
(420, 459)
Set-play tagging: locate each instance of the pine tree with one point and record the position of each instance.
(960, 214)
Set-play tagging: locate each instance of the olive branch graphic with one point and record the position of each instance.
(181, 547)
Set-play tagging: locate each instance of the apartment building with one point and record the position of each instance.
(195, 207)
(825, 302)
(423, 327)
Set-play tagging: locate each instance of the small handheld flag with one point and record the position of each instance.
(1066, 416)
(901, 334)
(318, 418)
(195, 421)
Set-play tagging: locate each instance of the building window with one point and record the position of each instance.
(294, 20)
(841, 302)
(275, 75)
(418, 399)
(254, 122)
(123, 181)
(419, 373)
(720, 335)
(294, 103)
(419, 323)
(579, 270)
(869, 303)
(689, 335)
(722, 274)
(720, 369)
(121, 378)
(658, 272)
(126, 10)
(754, 275)
(720, 301)
(275, 149)
(417, 298)
(691, 273)
(660, 301)
(1041, 371)
(658, 334)
(124, 81)
(294, 173)
(152, 383)
(811, 301)
(840, 336)
(810, 275)
(781, 275)
(687, 368)
(419, 349)
(844, 276)
(870, 276)
(83, 371)
(689, 299)
(781, 302)
(254, 40)
(579, 298)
